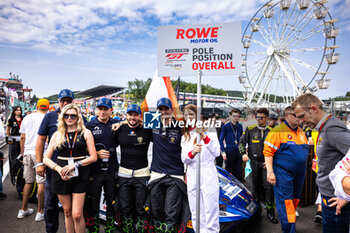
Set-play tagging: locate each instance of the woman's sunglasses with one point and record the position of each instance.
(71, 116)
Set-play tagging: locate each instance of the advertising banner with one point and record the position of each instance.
(215, 49)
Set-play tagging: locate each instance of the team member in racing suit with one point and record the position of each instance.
(103, 172)
(209, 149)
(133, 172)
(167, 187)
(255, 136)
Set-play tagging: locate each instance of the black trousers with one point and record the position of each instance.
(219, 160)
(14, 151)
(166, 200)
(234, 164)
(262, 190)
(133, 195)
(51, 211)
(108, 182)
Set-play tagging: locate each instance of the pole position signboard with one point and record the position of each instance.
(215, 49)
(212, 49)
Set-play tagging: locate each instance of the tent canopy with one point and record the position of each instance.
(101, 90)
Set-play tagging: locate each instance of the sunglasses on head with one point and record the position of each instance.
(71, 116)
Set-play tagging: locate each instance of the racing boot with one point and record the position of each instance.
(142, 224)
(110, 226)
(93, 224)
(128, 225)
(270, 212)
(161, 227)
(271, 216)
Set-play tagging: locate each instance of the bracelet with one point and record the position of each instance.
(38, 164)
(269, 172)
(78, 164)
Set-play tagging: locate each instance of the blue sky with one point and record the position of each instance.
(78, 44)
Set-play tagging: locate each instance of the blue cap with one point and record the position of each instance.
(164, 102)
(104, 102)
(134, 108)
(66, 93)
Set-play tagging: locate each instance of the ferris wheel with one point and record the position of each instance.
(289, 48)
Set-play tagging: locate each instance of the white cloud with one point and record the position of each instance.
(64, 25)
(61, 21)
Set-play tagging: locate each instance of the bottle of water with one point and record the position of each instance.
(104, 164)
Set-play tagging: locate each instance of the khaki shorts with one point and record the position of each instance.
(29, 173)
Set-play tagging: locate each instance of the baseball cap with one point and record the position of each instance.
(105, 102)
(66, 93)
(164, 102)
(43, 104)
(134, 108)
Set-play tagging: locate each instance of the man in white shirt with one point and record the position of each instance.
(29, 134)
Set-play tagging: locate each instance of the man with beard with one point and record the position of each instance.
(103, 172)
(133, 173)
(332, 144)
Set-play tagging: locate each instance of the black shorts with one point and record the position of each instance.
(74, 185)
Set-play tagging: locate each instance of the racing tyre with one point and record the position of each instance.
(20, 185)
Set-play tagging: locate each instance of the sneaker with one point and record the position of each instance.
(318, 217)
(39, 217)
(271, 217)
(3, 196)
(23, 214)
(296, 214)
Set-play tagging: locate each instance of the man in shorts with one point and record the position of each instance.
(29, 135)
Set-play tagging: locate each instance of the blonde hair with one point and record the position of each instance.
(62, 127)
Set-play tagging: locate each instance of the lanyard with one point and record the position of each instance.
(19, 123)
(234, 132)
(71, 147)
(319, 131)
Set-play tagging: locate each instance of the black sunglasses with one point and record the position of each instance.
(71, 116)
(260, 118)
(67, 100)
(163, 108)
(293, 114)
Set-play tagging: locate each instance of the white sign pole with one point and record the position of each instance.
(198, 161)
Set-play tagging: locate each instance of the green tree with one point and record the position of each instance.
(138, 88)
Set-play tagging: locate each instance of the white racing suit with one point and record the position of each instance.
(210, 189)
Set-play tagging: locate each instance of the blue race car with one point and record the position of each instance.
(239, 211)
